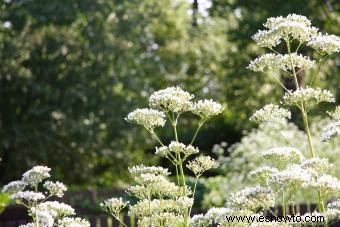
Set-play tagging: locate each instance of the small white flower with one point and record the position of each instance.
(263, 173)
(251, 198)
(270, 113)
(201, 164)
(36, 175)
(73, 222)
(199, 220)
(283, 155)
(14, 187)
(114, 205)
(206, 109)
(307, 95)
(317, 166)
(336, 113)
(293, 176)
(176, 148)
(334, 205)
(171, 99)
(56, 209)
(56, 188)
(29, 196)
(331, 131)
(268, 63)
(141, 169)
(44, 218)
(327, 44)
(326, 183)
(148, 118)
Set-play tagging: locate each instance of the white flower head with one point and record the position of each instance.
(206, 109)
(29, 196)
(199, 220)
(114, 205)
(14, 187)
(201, 164)
(270, 114)
(283, 155)
(335, 114)
(73, 222)
(148, 118)
(56, 209)
(317, 166)
(293, 176)
(326, 183)
(268, 63)
(171, 99)
(334, 205)
(296, 26)
(326, 44)
(307, 95)
(331, 131)
(176, 148)
(44, 218)
(141, 169)
(36, 175)
(56, 188)
(251, 198)
(263, 173)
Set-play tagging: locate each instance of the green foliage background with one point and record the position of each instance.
(70, 70)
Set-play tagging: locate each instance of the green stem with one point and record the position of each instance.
(305, 122)
(283, 203)
(193, 194)
(197, 130)
(177, 175)
(120, 221)
(155, 135)
(182, 176)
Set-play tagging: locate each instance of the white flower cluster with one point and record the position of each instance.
(55, 188)
(317, 166)
(201, 164)
(28, 196)
(56, 209)
(171, 99)
(73, 222)
(141, 169)
(282, 156)
(307, 95)
(114, 205)
(148, 118)
(270, 114)
(336, 113)
(331, 131)
(278, 28)
(45, 213)
(326, 183)
(176, 148)
(251, 198)
(291, 177)
(14, 187)
(199, 220)
(271, 62)
(206, 109)
(263, 173)
(326, 44)
(36, 175)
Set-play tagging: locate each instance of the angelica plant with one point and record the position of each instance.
(43, 211)
(290, 170)
(162, 202)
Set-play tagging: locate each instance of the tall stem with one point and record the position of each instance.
(309, 137)
(306, 125)
(283, 203)
(193, 194)
(197, 130)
